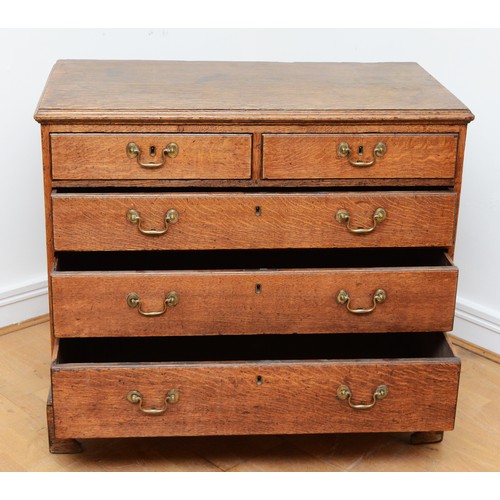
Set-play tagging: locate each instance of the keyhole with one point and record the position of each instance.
(152, 151)
(257, 211)
(259, 380)
(258, 288)
(360, 150)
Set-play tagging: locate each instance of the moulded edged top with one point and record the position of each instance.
(158, 91)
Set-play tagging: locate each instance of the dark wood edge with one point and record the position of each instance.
(448, 360)
(254, 183)
(287, 127)
(431, 268)
(45, 116)
(271, 194)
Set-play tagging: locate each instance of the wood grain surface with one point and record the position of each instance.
(307, 156)
(225, 398)
(229, 220)
(91, 304)
(104, 156)
(194, 91)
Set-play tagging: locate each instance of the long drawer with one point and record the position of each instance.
(359, 156)
(210, 293)
(151, 156)
(254, 385)
(247, 220)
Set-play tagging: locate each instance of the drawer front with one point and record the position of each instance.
(291, 156)
(254, 398)
(111, 304)
(229, 221)
(109, 156)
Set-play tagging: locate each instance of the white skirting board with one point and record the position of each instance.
(24, 303)
(474, 323)
(477, 324)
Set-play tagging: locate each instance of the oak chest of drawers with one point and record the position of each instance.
(250, 248)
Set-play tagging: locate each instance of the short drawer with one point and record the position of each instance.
(248, 220)
(151, 156)
(207, 293)
(257, 385)
(359, 156)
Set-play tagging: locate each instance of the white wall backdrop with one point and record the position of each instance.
(467, 62)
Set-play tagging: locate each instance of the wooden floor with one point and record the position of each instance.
(474, 445)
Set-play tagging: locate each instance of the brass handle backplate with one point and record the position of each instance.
(134, 301)
(345, 151)
(343, 217)
(343, 392)
(135, 397)
(379, 297)
(171, 217)
(134, 151)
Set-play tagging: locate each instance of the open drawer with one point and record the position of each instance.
(262, 384)
(244, 292)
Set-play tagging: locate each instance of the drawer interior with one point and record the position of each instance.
(423, 345)
(250, 259)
